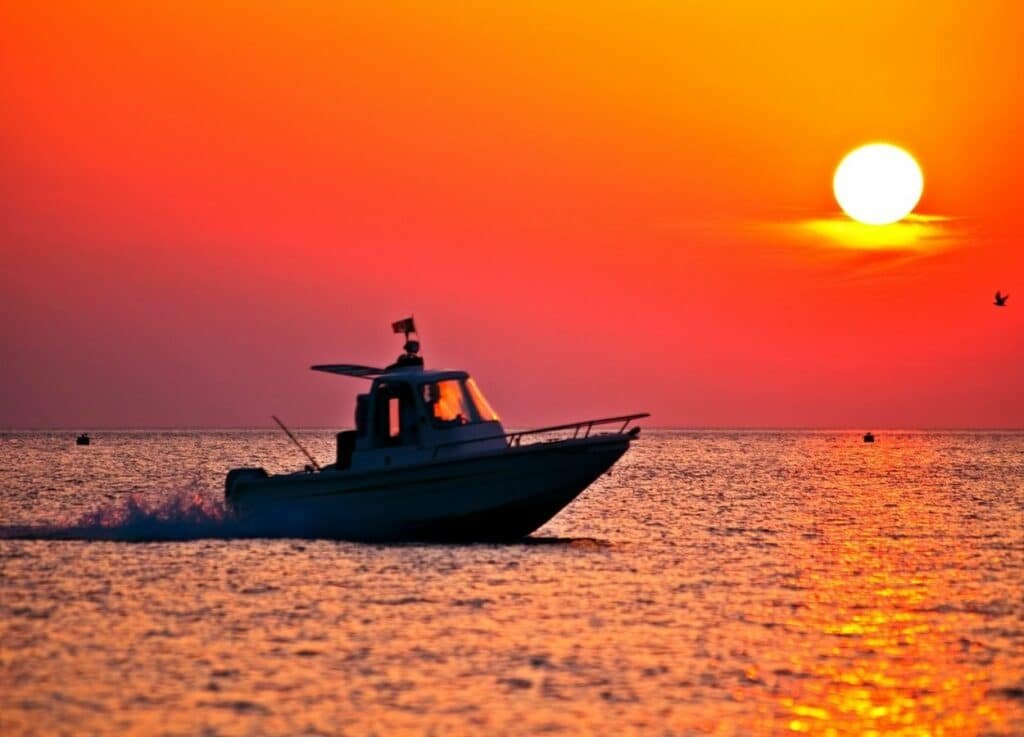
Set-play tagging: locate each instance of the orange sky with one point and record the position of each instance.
(594, 209)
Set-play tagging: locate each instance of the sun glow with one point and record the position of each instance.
(878, 184)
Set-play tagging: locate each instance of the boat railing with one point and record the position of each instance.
(579, 430)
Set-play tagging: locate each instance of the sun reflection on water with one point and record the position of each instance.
(891, 664)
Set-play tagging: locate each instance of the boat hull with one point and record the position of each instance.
(487, 497)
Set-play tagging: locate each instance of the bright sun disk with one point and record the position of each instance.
(878, 184)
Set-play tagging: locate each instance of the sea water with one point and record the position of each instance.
(715, 583)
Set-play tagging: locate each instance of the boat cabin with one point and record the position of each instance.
(412, 415)
(415, 416)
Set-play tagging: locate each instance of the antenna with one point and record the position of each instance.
(297, 443)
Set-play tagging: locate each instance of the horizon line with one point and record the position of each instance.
(686, 428)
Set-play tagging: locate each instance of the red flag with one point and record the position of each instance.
(404, 326)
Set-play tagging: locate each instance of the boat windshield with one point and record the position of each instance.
(453, 402)
(483, 407)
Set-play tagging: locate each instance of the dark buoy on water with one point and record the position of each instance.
(869, 437)
(82, 439)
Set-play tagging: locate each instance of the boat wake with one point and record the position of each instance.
(182, 516)
(188, 515)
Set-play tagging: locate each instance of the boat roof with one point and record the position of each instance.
(349, 369)
(408, 366)
(413, 373)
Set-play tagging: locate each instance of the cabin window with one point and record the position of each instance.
(394, 418)
(446, 403)
(454, 402)
(483, 407)
(394, 415)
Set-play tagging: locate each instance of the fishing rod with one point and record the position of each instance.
(297, 443)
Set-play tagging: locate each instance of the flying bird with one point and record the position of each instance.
(1001, 299)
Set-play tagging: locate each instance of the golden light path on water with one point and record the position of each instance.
(880, 596)
(718, 583)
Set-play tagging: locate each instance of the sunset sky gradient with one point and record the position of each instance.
(594, 207)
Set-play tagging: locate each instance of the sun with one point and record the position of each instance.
(878, 184)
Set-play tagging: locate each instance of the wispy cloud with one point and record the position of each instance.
(855, 250)
(922, 234)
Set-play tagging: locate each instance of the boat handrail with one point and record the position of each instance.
(514, 439)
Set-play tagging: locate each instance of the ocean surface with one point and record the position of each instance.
(716, 583)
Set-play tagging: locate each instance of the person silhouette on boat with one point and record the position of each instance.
(445, 404)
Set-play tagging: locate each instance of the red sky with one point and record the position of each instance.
(592, 208)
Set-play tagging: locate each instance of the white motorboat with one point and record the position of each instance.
(430, 460)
